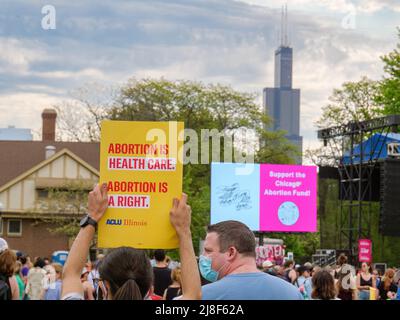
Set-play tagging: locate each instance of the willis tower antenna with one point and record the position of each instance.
(282, 102)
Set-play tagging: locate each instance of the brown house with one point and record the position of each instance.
(28, 169)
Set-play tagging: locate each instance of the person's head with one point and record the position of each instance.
(365, 267)
(18, 267)
(315, 269)
(39, 263)
(289, 264)
(127, 274)
(388, 278)
(3, 245)
(7, 262)
(58, 268)
(84, 274)
(176, 275)
(267, 264)
(23, 260)
(228, 244)
(323, 286)
(342, 259)
(159, 255)
(50, 272)
(304, 271)
(46, 261)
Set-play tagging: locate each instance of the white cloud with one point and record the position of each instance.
(211, 41)
(17, 55)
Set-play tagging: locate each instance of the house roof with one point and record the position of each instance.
(17, 157)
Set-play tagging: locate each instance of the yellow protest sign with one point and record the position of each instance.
(141, 162)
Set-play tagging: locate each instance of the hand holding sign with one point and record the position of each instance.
(97, 202)
(180, 215)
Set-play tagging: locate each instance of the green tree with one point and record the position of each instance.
(389, 87)
(61, 208)
(200, 107)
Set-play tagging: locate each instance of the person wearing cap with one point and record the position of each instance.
(88, 289)
(303, 282)
(268, 267)
(9, 289)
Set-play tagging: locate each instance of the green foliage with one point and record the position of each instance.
(389, 87)
(201, 107)
(354, 101)
(63, 208)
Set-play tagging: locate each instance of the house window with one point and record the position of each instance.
(43, 193)
(14, 228)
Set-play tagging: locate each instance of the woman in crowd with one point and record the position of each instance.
(53, 289)
(365, 281)
(342, 260)
(126, 272)
(387, 287)
(9, 286)
(346, 283)
(20, 281)
(174, 290)
(323, 286)
(35, 279)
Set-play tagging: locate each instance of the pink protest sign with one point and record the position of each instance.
(365, 250)
(288, 200)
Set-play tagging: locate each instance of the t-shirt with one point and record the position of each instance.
(35, 283)
(25, 271)
(250, 286)
(306, 283)
(162, 279)
(53, 291)
(21, 286)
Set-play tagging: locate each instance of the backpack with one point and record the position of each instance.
(5, 289)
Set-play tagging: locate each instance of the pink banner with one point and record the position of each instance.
(288, 199)
(271, 252)
(365, 250)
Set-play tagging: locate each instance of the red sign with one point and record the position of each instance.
(272, 252)
(365, 250)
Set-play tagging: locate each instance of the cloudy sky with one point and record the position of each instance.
(226, 41)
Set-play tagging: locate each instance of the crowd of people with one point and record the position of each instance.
(342, 281)
(225, 270)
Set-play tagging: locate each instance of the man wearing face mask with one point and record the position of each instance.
(229, 262)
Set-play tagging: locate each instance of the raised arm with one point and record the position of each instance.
(180, 216)
(97, 205)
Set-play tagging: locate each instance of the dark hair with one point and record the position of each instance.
(368, 265)
(234, 234)
(129, 273)
(323, 286)
(288, 263)
(303, 269)
(23, 259)
(159, 255)
(39, 263)
(7, 263)
(342, 259)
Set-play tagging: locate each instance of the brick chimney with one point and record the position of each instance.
(49, 124)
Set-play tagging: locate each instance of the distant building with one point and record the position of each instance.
(15, 134)
(282, 103)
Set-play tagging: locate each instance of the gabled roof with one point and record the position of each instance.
(46, 162)
(17, 157)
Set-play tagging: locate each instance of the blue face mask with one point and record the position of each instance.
(206, 270)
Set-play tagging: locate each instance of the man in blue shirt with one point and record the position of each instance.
(229, 262)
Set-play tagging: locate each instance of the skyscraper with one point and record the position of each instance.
(282, 103)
